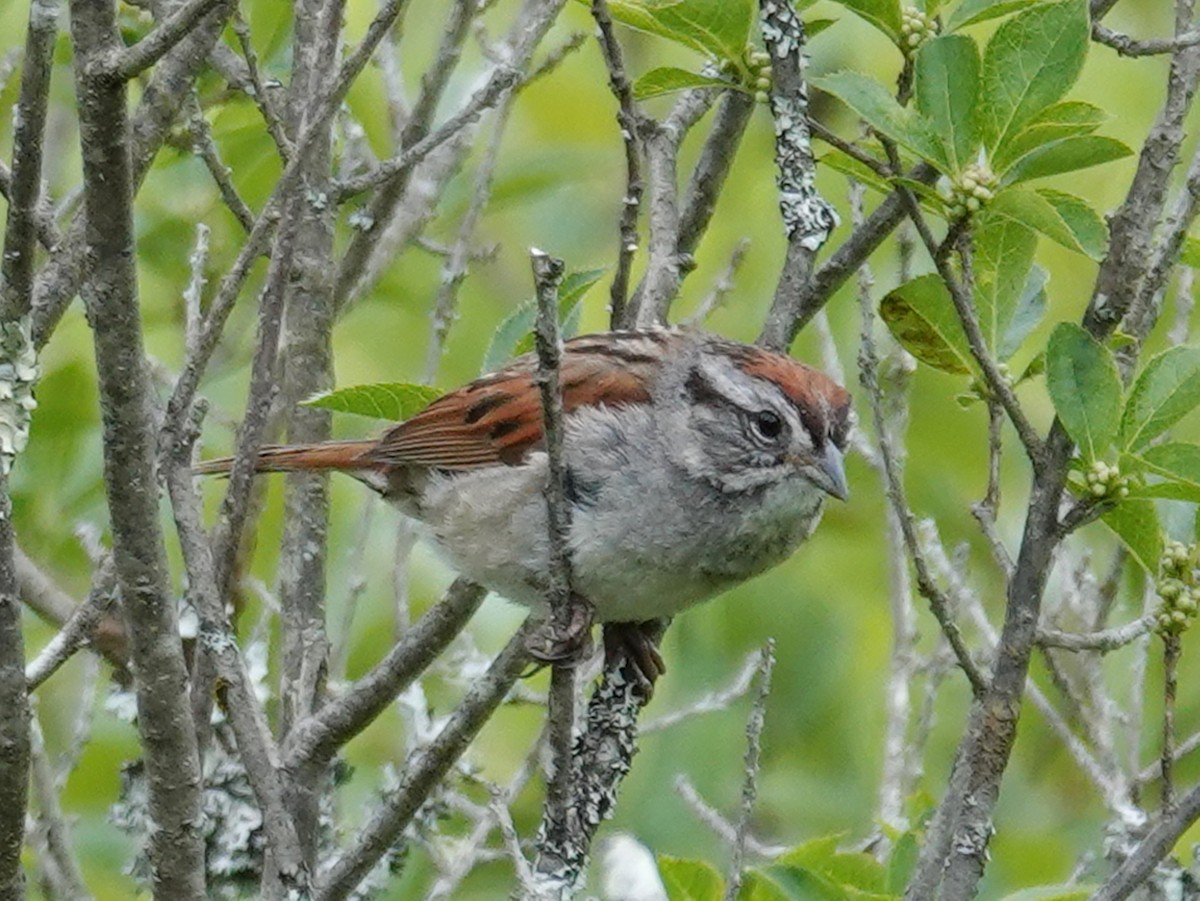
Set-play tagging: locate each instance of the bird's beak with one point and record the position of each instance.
(832, 473)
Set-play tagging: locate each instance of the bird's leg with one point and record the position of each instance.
(637, 643)
(564, 638)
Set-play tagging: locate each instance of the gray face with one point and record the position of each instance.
(753, 433)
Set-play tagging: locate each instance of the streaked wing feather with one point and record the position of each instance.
(498, 418)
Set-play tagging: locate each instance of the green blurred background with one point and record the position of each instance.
(558, 186)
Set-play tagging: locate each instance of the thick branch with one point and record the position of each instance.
(176, 848)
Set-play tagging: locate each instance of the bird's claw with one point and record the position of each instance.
(564, 640)
(636, 643)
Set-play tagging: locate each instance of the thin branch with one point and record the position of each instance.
(754, 728)
(1151, 851)
(724, 830)
(77, 632)
(502, 80)
(964, 306)
(1130, 46)
(786, 319)
(52, 824)
(247, 718)
(132, 61)
(628, 118)
(567, 612)
(55, 606)
(1171, 652)
(315, 740)
(423, 771)
(1103, 641)
(939, 603)
(260, 91)
(171, 81)
(722, 287)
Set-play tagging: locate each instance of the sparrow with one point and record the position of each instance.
(692, 462)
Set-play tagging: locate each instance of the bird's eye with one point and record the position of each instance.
(768, 424)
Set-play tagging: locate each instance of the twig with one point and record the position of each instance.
(964, 306)
(51, 822)
(205, 147)
(808, 219)
(464, 858)
(260, 91)
(1152, 850)
(423, 771)
(17, 355)
(316, 739)
(501, 81)
(712, 168)
(247, 718)
(939, 603)
(76, 632)
(786, 319)
(566, 609)
(754, 727)
(170, 83)
(725, 830)
(1129, 46)
(721, 287)
(1171, 653)
(132, 61)
(628, 118)
(54, 605)
(1103, 641)
(713, 701)
(454, 270)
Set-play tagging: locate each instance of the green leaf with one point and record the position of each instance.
(947, 94)
(849, 869)
(1056, 122)
(1003, 259)
(842, 162)
(1061, 217)
(1030, 62)
(813, 27)
(1082, 377)
(1029, 311)
(902, 862)
(875, 104)
(718, 28)
(883, 14)
(1135, 521)
(758, 886)
(971, 11)
(1067, 155)
(395, 400)
(690, 880)
(922, 318)
(514, 335)
(1178, 462)
(1166, 391)
(667, 79)
(1075, 892)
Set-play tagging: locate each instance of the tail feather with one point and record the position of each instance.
(329, 455)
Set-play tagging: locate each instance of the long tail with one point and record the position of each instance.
(333, 455)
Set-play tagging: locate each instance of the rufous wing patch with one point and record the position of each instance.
(498, 418)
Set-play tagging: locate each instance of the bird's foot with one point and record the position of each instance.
(637, 644)
(564, 639)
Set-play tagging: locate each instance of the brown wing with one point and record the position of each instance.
(498, 418)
